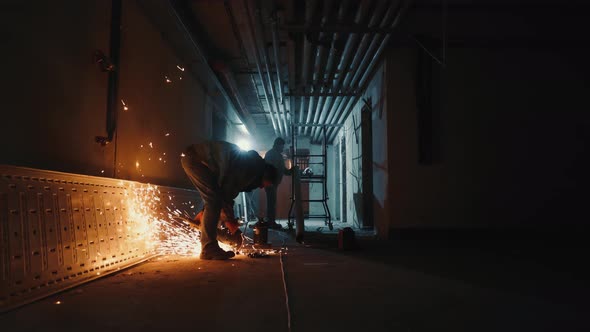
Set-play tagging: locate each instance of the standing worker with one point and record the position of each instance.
(220, 171)
(274, 157)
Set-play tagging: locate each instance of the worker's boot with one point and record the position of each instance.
(212, 251)
(234, 240)
(274, 225)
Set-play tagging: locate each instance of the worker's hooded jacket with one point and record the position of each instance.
(236, 170)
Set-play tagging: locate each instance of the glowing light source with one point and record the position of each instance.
(244, 144)
(182, 155)
(57, 302)
(180, 68)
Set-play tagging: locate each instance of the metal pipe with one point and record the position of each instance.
(309, 108)
(259, 68)
(320, 63)
(275, 46)
(329, 69)
(238, 37)
(358, 60)
(374, 60)
(203, 58)
(310, 6)
(352, 80)
(346, 66)
(392, 11)
(261, 45)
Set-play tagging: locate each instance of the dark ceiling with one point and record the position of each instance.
(292, 61)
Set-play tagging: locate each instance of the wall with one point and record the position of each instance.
(512, 130)
(375, 95)
(56, 102)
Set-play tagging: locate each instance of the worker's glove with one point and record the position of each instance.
(232, 225)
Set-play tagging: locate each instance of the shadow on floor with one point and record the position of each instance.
(546, 265)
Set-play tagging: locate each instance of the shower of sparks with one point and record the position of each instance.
(151, 145)
(182, 154)
(125, 108)
(102, 171)
(180, 68)
(137, 164)
(58, 302)
(167, 79)
(167, 134)
(162, 231)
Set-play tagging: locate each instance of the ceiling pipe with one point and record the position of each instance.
(277, 58)
(320, 65)
(310, 6)
(375, 59)
(350, 83)
(291, 76)
(392, 11)
(347, 62)
(259, 40)
(330, 69)
(182, 24)
(275, 124)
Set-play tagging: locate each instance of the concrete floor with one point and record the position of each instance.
(381, 287)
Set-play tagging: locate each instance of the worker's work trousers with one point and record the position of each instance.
(271, 202)
(206, 183)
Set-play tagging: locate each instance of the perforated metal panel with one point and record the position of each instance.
(58, 230)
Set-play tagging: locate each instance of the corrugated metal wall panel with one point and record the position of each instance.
(58, 230)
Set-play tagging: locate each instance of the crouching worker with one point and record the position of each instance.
(220, 171)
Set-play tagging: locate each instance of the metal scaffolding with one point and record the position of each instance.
(302, 162)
